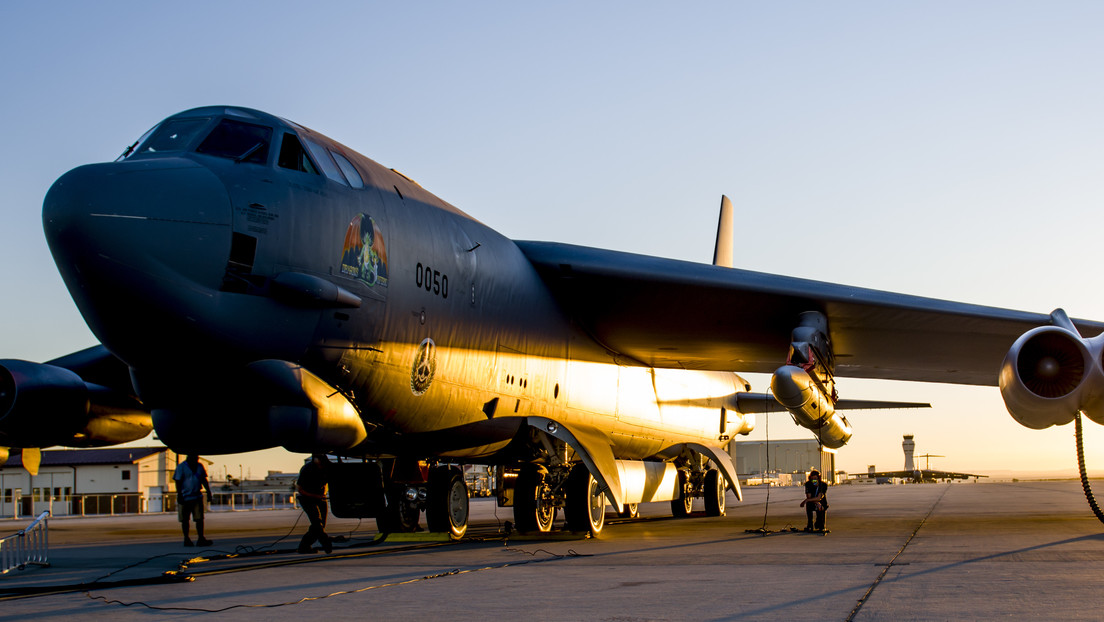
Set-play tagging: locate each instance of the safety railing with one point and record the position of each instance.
(237, 501)
(136, 503)
(26, 546)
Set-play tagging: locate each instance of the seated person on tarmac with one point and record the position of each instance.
(311, 488)
(816, 501)
(191, 481)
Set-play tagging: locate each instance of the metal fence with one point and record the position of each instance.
(26, 546)
(137, 503)
(235, 501)
(83, 505)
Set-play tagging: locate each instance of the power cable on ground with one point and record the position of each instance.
(448, 573)
(1078, 434)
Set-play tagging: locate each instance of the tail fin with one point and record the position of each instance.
(722, 252)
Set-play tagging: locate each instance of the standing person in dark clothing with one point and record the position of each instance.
(816, 500)
(311, 488)
(191, 481)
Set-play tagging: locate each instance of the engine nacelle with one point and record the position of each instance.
(43, 405)
(1050, 374)
(811, 408)
(265, 404)
(308, 415)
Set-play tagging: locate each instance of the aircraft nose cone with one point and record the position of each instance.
(132, 239)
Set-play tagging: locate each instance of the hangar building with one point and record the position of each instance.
(793, 458)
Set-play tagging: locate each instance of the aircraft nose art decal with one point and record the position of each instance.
(365, 253)
(425, 365)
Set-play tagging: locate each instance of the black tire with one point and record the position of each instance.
(586, 504)
(714, 493)
(629, 510)
(682, 505)
(533, 511)
(400, 516)
(447, 502)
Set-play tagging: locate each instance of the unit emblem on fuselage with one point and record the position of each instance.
(425, 365)
(365, 253)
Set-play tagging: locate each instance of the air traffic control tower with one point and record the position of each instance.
(909, 446)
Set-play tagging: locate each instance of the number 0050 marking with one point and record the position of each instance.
(432, 280)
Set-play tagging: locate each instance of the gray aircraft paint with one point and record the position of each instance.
(222, 281)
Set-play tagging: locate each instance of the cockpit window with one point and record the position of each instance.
(294, 157)
(171, 135)
(322, 157)
(350, 171)
(241, 142)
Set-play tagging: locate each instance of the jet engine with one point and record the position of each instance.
(43, 405)
(1051, 373)
(264, 404)
(307, 414)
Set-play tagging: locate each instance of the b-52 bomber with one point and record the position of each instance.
(255, 284)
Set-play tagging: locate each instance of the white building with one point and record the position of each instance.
(116, 480)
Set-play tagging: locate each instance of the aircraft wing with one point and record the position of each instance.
(888, 474)
(678, 314)
(947, 475)
(920, 475)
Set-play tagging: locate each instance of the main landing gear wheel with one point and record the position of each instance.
(629, 510)
(533, 509)
(447, 502)
(684, 503)
(586, 504)
(400, 515)
(714, 493)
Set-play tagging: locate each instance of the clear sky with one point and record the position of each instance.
(944, 149)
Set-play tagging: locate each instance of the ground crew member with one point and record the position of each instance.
(311, 489)
(191, 481)
(816, 501)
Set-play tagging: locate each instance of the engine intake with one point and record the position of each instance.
(1050, 374)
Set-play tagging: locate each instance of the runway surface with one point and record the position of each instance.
(1020, 551)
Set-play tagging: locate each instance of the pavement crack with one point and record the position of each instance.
(870, 590)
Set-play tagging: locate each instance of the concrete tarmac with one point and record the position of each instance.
(964, 551)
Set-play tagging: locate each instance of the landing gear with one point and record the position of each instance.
(586, 503)
(401, 514)
(447, 502)
(629, 510)
(534, 509)
(714, 493)
(684, 503)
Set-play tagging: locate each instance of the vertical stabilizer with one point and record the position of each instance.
(722, 251)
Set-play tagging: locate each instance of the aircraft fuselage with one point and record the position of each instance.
(190, 264)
